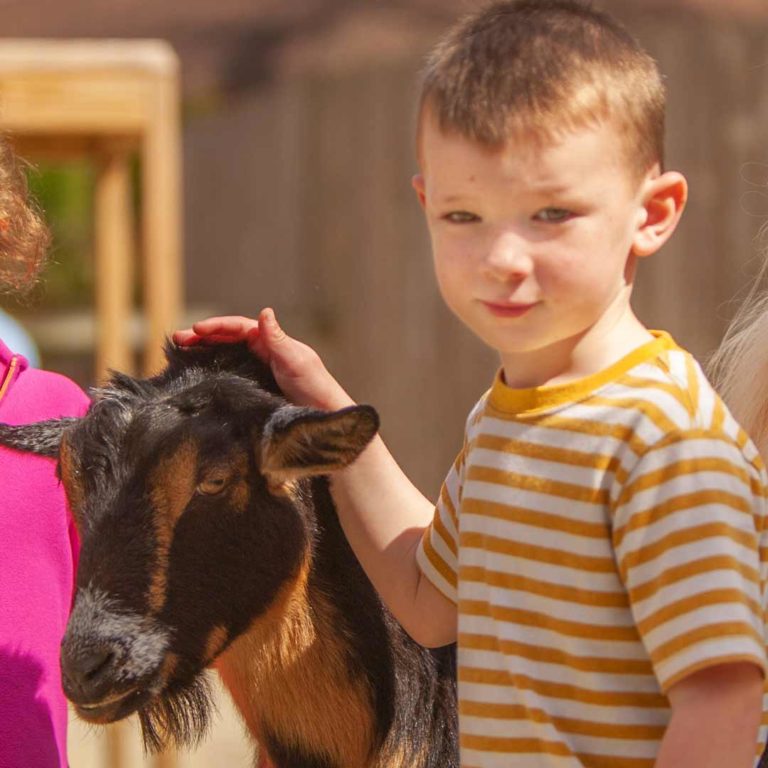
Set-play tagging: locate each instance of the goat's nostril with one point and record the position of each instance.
(88, 668)
(94, 662)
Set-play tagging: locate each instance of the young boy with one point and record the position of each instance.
(595, 548)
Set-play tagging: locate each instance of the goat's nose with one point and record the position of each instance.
(84, 671)
(95, 661)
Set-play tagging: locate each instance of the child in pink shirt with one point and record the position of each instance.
(38, 544)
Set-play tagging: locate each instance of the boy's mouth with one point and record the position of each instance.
(508, 309)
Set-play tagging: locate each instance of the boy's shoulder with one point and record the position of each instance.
(673, 378)
(673, 394)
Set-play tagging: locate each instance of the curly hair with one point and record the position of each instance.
(24, 236)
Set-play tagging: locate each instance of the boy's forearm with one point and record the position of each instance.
(715, 719)
(384, 517)
(693, 743)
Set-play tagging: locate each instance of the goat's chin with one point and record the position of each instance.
(113, 708)
(180, 714)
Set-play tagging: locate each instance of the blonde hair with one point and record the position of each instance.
(739, 367)
(24, 236)
(540, 68)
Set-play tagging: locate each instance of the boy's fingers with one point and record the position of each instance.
(216, 330)
(189, 338)
(233, 326)
(286, 355)
(257, 345)
(283, 351)
(185, 338)
(274, 336)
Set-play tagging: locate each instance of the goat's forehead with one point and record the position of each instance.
(123, 434)
(121, 419)
(158, 427)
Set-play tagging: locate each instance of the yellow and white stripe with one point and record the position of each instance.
(602, 540)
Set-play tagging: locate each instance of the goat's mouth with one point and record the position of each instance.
(115, 707)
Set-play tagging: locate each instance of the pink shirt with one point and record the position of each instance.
(38, 551)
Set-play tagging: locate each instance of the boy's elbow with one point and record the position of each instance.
(432, 622)
(430, 636)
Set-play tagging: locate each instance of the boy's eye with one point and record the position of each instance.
(461, 217)
(553, 214)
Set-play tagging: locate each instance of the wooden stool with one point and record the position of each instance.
(107, 101)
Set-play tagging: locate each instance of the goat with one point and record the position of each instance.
(209, 537)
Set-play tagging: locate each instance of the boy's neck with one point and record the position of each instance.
(586, 354)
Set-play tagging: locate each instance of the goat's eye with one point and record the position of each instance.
(214, 483)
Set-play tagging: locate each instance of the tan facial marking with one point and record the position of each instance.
(173, 481)
(172, 484)
(240, 495)
(170, 663)
(71, 477)
(215, 642)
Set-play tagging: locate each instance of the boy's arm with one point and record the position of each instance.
(384, 517)
(383, 514)
(716, 713)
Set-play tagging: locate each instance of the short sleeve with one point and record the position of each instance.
(438, 550)
(686, 534)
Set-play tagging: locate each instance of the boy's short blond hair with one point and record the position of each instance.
(540, 68)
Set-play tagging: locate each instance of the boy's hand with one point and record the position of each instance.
(297, 368)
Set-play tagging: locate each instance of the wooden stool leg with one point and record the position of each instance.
(161, 214)
(114, 745)
(114, 252)
(166, 759)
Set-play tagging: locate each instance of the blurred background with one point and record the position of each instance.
(297, 121)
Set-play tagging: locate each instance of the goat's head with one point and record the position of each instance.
(189, 495)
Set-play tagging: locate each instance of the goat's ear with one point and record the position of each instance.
(299, 442)
(42, 437)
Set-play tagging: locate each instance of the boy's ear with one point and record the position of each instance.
(417, 182)
(664, 198)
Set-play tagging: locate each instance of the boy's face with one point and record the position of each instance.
(532, 245)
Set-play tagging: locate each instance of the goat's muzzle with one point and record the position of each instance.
(92, 681)
(111, 661)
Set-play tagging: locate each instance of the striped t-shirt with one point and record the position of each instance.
(602, 540)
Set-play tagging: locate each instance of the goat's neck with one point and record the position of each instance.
(289, 676)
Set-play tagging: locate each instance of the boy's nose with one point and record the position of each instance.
(508, 258)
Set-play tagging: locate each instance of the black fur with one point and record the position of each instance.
(225, 565)
(181, 715)
(42, 438)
